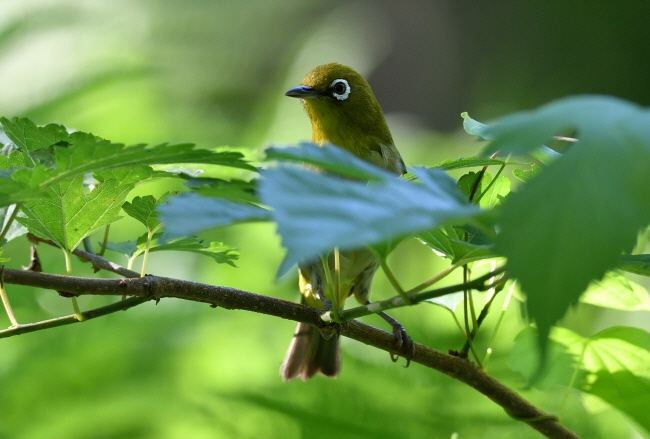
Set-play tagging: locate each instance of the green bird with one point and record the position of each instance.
(343, 111)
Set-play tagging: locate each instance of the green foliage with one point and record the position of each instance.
(612, 365)
(569, 224)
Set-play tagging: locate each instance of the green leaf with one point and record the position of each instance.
(569, 225)
(329, 158)
(637, 264)
(127, 248)
(438, 241)
(475, 127)
(220, 253)
(470, 162)
(143, 209)
(465, 252)
(316, 212)
(233, 190)
(67, 214)
(490, 194)
(616, 292)
(449, 301)
(189, 213)
(613, 365)
(15, 228)
(29, 137)
(526, 174)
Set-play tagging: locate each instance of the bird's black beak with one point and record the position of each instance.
(303, 92)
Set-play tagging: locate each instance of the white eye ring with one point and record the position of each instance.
(340, 96)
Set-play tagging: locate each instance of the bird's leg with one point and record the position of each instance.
(332, 329)
(402, 339)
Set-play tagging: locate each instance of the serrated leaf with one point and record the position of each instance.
(220, 253)
(569, 225)
(316, 212)
(329, 158)
(67, 214)
(637, 264)
(29, 137)
(616, 292)
(233, 190)
(143, 209)
(189, 213)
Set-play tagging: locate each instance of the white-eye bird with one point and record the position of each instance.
(343, 111)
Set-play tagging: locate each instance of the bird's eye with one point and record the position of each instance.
(340, 89)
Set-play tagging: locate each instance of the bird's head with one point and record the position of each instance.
(342, 108)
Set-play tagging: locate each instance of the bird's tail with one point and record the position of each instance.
(309, 353)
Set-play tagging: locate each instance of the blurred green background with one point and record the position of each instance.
(214, 73)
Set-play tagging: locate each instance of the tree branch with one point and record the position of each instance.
(153, 287)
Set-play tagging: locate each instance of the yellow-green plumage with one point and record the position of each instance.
(343, 111)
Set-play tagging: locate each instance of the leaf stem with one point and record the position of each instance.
(5, 301)
(68, 268)
(478, 284)
(433, 280)
(576, 369)
(145, 257)
(506, 302)
(393, 281)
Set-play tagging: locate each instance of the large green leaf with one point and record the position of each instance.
(190, 213)
(316, 212)
(569, 224)
(613, 365)
(68, 214)
(616, 292)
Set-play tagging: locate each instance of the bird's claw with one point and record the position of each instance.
(402, 340)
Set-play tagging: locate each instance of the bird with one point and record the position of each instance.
(344, 112)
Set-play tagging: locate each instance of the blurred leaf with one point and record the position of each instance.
(189, 213)
(127, 248)
(470, 162)
(569, 225)
(475, 127)
(526, 174)
(449, 301)
(616, 292)
(613, 365)
(329, 158)
(637, 264)
(316, 212)
(233, 190)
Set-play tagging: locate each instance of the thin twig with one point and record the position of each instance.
(122, 305)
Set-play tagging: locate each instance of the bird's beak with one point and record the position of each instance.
(303, 92)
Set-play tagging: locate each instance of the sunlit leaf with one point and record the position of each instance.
(616, 292)
(612, 365)
(68, 214)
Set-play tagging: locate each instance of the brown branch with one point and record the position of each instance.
(153, 287)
